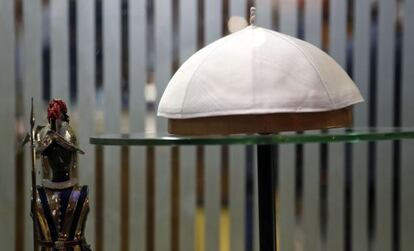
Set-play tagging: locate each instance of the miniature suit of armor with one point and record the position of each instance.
(62, 204)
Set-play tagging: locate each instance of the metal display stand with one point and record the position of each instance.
(266, 187)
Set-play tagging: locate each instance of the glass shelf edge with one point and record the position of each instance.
(172, 140)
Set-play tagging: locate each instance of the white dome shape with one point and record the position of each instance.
(257, 71)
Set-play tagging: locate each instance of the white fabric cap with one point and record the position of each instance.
(257, 71)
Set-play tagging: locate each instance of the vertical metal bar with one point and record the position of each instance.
(237, 8)
(407, 168)
(385, 101)
(59, 34)
(8, 131)
(200, 219)
(288, 17)
(175, 198)
(163, 70)
(264, 13)
(237, 171)
(112, 119)
(150, 205)
(311, 199)
(188, 29)
(162, 199)
(187, 192)
(361, 69)
(336, 199)
(99, 201)
(86, 103)
(256, 237)
(212, 188)
(336, 169)
(286, 220)
(137, 23)
(32, 87)
(337, 31)
(125, 201)
(237, 198)
(313, 22)
(311, 173)
(163, 50)
(267, 219)
(32, 57)
(187, 174)
(224, 193)
(213, 20)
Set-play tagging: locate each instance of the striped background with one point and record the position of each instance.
(111, 60)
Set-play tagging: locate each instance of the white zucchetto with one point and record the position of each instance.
(257, 71)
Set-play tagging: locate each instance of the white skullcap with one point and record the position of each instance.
(257, 71)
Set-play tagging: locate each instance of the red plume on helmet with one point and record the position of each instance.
(57, 109)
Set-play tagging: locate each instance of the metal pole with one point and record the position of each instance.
(266, 189)
(33, 152)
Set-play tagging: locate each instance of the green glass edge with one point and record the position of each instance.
(166, 140)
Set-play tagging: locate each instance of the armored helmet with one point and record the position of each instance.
(57, 143)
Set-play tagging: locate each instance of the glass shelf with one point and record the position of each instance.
(350, 135)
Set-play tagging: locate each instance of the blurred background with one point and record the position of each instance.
(112, 59)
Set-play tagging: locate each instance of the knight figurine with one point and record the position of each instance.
(60, 205)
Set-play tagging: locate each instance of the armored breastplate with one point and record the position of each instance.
(60, 218)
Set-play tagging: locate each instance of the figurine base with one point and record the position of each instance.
(262, 123)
